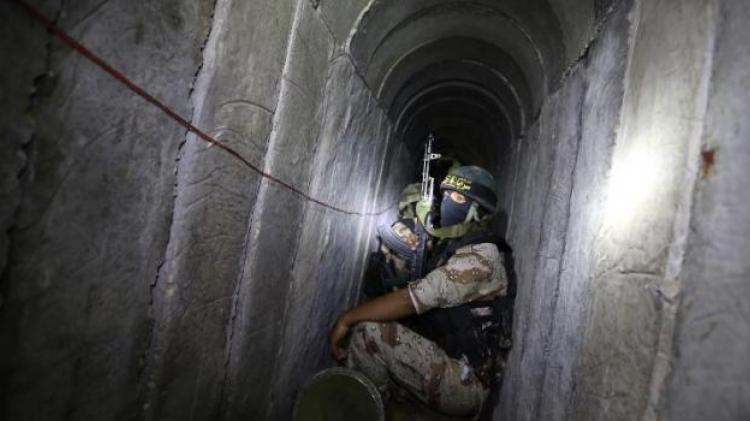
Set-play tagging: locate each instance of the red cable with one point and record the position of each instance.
(85, 52)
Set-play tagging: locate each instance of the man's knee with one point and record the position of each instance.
(376, 335)
(366, 353)
(367, 327)
(365, 337)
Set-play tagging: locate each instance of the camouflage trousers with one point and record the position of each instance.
(396, 358)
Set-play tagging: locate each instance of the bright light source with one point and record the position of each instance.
(632, 185)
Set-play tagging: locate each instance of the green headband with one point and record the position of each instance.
(482, 194)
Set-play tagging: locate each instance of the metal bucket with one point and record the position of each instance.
(339, 394)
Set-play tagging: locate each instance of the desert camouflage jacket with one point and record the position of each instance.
(474, 272)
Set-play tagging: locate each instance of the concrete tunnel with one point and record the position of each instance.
(149, 275)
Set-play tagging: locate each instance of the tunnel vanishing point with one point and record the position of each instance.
(147, 274)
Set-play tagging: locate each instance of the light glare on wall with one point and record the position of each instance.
(632, 183)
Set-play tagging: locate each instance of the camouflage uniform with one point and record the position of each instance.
(392, 355)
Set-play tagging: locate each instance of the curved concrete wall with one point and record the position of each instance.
(95, 203)
(514, 51)
(608, 214)
(159, 276)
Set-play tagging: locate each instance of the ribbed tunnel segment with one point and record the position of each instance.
(470, 72)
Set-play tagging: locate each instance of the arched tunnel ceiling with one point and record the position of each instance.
(465, 130)
(445, 107)
(478, 62)
(430, 62)
(471, 93)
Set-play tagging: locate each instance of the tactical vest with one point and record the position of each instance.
(478, 331)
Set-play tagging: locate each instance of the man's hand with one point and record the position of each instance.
(338, 333)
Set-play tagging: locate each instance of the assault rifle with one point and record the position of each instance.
(428, 185)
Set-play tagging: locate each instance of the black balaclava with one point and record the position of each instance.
(451, 212)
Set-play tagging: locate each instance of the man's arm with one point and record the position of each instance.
(388, 307)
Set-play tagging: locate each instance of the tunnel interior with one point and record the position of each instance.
(468, 72)
(148, 274)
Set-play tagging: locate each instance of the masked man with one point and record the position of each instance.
(450, 364)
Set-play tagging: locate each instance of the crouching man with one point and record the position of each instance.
(447, 357)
